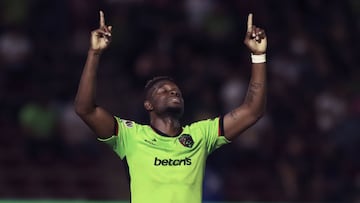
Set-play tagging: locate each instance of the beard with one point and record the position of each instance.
(168, 108)
(174, 111)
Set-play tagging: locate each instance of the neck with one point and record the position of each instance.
(168, 125)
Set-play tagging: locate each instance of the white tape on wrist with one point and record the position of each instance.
(258, 58)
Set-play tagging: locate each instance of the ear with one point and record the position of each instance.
(148, 106)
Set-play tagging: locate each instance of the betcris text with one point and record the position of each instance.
(172, 162)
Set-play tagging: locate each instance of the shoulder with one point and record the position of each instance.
(129, 125)
(126, 122)
(203, 122)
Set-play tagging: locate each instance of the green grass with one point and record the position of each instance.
(81, 201)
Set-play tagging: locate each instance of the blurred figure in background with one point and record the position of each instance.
(38, 120)
(76, 135)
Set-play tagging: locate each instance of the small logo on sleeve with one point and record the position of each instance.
(186, 140)
(128, 123)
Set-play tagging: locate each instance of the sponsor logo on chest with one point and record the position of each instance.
(172, 162)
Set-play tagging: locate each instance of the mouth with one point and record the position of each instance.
(175, 100)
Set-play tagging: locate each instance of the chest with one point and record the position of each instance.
(166, 159)
(150, 146)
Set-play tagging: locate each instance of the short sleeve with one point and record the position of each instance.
(212, 130)
(119, 142)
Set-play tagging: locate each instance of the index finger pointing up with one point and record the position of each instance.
(249, 22)
(102, 19)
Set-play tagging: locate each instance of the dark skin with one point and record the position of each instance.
(165, 106)
(165, 103)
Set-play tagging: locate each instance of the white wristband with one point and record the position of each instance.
(258, 58)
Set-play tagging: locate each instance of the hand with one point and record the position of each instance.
(101, 38)
(255, 38)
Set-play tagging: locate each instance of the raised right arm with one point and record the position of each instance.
(96, 117)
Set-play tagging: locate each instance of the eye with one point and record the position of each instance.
(161, 90)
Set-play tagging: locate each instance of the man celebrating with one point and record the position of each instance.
(167, 160)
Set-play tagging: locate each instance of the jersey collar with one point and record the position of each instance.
(164, 134)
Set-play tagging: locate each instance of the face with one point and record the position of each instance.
(165, 97)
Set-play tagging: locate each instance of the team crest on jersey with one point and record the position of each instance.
(186, 140)
(128, 123)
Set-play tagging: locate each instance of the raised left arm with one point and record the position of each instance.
(253, 107)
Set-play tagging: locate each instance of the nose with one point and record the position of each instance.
(174, 93)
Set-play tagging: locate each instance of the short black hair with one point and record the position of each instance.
(150, 83)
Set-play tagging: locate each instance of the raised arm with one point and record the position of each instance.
(253, 107)
(97, 118)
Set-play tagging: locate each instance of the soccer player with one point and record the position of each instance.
(167, 160)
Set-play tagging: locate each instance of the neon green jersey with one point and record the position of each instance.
(166, 169)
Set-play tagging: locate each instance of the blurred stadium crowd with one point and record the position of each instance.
(306, 147)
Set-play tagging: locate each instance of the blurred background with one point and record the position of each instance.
(305, 148)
